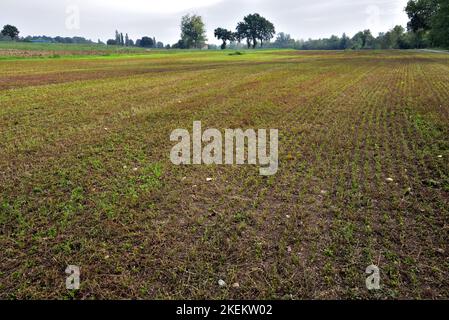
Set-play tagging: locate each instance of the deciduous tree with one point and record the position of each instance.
(193, 31)
(10, 31)
(224, 35)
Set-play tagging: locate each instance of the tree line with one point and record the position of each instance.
(254, 28)
(396, 38)
(428, 27)
(126, 41)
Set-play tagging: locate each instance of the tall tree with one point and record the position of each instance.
(193, 31)
(243, 32)
(126, 40)
(117, 37)
(429, 20)
(267, 30)
(146, 42)
(396, 36)
(345, 42)
(421, 13)
(224, 35)
(357, 41)
(10, 31)
(363, 40)
(252, 21)
(368, 39)
(284, 40)
(255, 27)
(440, 24)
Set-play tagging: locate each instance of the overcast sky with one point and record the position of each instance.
(302, 19)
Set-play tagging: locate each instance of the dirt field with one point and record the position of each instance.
(86, 178)
(10, 49)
